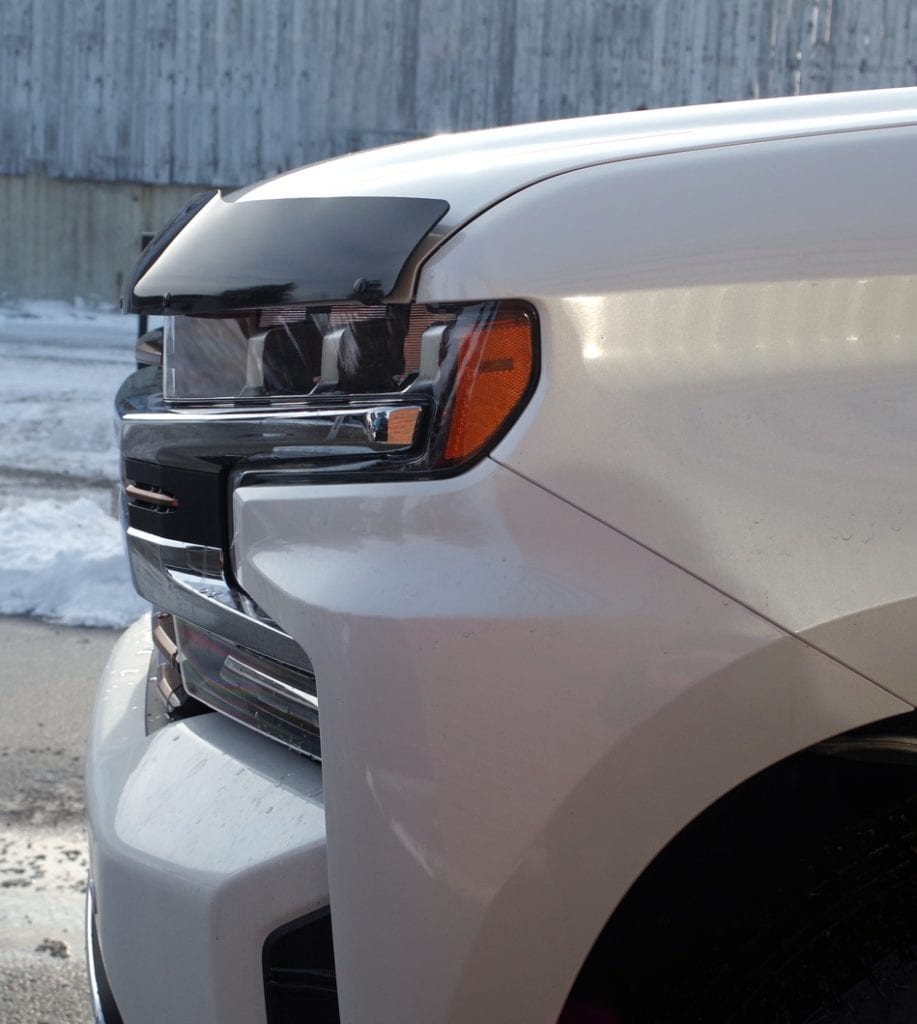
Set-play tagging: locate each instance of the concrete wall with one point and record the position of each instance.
(69, 239)
(171, 93)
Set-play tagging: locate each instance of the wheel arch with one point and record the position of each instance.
(564, 894)
(748, 839)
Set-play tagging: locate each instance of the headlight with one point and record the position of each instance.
(443, 383)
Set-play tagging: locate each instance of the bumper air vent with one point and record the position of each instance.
(299, 978)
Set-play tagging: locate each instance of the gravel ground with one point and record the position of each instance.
(47, 682)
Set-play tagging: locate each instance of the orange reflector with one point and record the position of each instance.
(402, 425)
(494, 372)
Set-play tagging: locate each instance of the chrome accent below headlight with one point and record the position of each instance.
(154, 432)
(261, 677)
(188, 581)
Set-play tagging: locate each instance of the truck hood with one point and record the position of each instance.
(301, 237)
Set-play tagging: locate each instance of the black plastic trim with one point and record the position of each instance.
(275, 252)
(200, 515)
(105, 1009)
(160, 243)
(299, 976)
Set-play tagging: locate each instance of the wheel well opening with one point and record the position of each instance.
(775, 900)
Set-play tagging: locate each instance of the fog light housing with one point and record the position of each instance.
(269, 696)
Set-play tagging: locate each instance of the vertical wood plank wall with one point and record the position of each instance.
(226, 91)
(114, 112)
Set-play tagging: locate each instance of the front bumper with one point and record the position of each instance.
(204, 839)
(104, 1009)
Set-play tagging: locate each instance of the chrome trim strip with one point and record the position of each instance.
(186, 437)
(97, 1015)
(187, 580)
(271, 683)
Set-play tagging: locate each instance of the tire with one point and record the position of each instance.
(888, 996)
(799, 909)
(836, 941)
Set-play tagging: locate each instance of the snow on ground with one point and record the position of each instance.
(61, 554)
(60, 366)
(64, 560)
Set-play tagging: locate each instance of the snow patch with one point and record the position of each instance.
(65, 561)
(55, 311)
(60, 366)
(61, 554)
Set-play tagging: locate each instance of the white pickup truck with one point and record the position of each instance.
(529, 519)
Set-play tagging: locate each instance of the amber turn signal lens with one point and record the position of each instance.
(495, 366)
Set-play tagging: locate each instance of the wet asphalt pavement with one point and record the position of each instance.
(47, 681)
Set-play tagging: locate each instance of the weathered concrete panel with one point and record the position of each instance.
(68, 239)
(233, 90)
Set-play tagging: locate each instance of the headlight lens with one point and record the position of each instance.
(472, 367)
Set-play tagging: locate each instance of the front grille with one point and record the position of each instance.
(215, 647)
(299, 976)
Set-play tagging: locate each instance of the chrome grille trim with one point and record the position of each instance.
(158, 433)
(188, 581)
